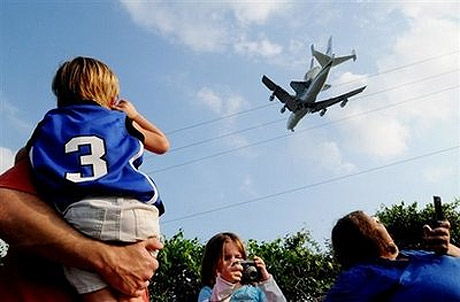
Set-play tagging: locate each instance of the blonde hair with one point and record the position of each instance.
(83, 79)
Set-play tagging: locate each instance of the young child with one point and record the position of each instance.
(221, 274)
(85, 156)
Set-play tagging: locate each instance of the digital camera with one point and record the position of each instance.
(251, 273)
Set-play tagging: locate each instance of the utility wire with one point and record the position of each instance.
(297, 132)
(271, 104)
(312, 185)
(281, 119)
(306, 129)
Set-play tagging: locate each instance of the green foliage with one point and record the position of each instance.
(178, 278)
(3, 251)
(405, 222)
(301, 269)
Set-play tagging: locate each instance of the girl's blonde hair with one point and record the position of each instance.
(213, 254)
(83, 79)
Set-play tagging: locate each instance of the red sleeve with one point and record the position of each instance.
(19, 178)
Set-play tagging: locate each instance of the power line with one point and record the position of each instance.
(281, 119)
(300, 131)
(271, 104)
(312, 185)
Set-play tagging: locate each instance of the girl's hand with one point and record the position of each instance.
(262, 268)
(127, 107)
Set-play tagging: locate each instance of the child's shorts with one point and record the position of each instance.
(109, 219)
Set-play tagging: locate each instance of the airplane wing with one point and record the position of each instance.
(341, 98)
(280, 94)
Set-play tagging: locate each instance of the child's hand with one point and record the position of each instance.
(262, 268)
(127, 107)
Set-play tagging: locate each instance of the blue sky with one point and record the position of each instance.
(194, 68)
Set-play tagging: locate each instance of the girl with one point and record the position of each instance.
(221, 274)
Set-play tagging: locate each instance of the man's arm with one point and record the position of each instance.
(30, 224)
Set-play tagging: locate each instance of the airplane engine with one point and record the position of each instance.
(283, 109)
(322, 112)
(272, 97)
(344, 102)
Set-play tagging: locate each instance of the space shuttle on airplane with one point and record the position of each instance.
(307, 90)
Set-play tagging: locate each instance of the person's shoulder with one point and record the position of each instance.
(370, 273)
(364, 281)
(205, 294)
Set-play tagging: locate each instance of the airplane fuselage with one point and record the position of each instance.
(295, 117)
(311, 93)
(318, 79)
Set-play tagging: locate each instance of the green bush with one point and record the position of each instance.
(302, 269)
(178, 277)
(405, 222)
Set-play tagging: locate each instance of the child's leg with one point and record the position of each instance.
(102, 295)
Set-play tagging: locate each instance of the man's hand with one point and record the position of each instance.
(438, 239)
(129, 268)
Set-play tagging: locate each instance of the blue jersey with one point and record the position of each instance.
(86, 150)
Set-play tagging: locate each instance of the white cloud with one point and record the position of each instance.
(210, 100)
(254, 11)
(207, 26)
(319, 151)
(247, 186)
(442, 9)
(10, 114)
(381, 135)
(224, 104)
(220, 103)
(330, 157)
(432, 33)
(439, 174)
(262, 47)
(6, 159)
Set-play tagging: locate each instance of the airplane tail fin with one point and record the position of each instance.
(322, 58)
(329, 47)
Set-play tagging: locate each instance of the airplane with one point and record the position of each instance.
(306, 91)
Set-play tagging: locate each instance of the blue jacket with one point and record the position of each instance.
(423, 277)
(242, 294)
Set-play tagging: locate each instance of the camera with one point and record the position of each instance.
(251, 273)
(439, 215)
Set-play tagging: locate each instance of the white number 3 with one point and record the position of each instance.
(94, 158)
